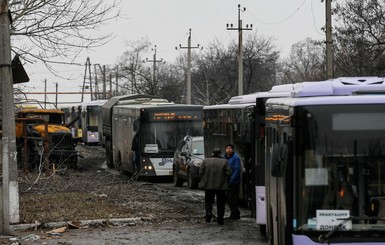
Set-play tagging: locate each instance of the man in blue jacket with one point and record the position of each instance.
(234, 181)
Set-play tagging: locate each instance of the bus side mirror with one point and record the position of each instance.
(279, 159)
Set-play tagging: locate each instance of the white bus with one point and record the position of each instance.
(325, 155)
(153, 127)
(87, 126)
(240, 122)
(90, 121)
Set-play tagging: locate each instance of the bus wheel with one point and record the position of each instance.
(177, 180)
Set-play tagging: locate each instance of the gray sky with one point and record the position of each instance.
(166, 24)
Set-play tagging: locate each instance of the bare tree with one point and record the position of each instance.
(217, 69)
(171, 84)
(260, 63)
(135, 77)
(56, 31)
(306, 62)
(359, 38)
(214, 77)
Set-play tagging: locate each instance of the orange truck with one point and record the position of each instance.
(44, 139)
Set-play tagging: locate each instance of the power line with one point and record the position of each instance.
(188, 65)
(280, 21)
(314, 19)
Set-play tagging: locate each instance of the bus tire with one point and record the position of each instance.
(178, 182)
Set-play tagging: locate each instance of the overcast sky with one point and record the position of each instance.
(166, 24)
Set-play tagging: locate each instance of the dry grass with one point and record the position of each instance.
(92, 192)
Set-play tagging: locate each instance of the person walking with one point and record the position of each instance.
(214, 173)
(234, 181)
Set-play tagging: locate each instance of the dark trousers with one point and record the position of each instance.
(232, 199)
(209, 201)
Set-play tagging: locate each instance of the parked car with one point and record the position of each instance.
(188, 158)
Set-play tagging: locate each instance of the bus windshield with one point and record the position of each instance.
(164, 136)
(340, 169)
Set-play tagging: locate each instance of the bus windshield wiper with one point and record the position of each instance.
(325, 237)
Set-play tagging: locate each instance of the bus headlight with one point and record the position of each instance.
(148, 167)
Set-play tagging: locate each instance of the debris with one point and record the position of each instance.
(30, 237)
(74, 224)
(54, 234)
(107, 223)
(57, 232)
(37, 224)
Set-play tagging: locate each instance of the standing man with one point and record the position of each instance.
(214, 173)
(234, 181)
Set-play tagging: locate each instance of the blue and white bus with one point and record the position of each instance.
(325, 155)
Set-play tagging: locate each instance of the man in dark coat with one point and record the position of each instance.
(214, 173)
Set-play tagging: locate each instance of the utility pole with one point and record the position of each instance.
(104, 81)
(45, 91)
(110, 93)
(240, 50)
(96, 84)
(188, 65)
(329, 40)
(154, 66)
(116, 80)
(89, 73)
(87, 67)
(10, 192)
(57, 90)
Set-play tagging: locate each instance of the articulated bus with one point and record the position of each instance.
(325, 171)
(235, 123)
(154, 127)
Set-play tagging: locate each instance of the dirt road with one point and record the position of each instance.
(103, 206)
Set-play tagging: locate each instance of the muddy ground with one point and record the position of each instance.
(97, 205)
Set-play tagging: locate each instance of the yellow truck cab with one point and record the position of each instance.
(42, 135)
